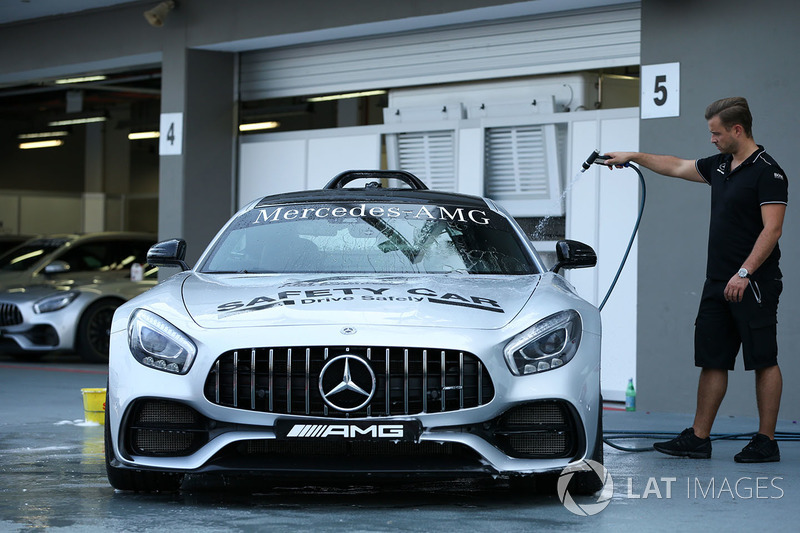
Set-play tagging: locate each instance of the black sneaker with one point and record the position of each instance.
(761, 449)
(687, 444)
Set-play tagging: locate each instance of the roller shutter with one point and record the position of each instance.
(517, 160)
(429, 155)
(557, 42)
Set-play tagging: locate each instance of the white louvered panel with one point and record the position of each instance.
(516, 163)
(429, 155)
(563, 42)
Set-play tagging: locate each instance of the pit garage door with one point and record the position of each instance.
(556, 42)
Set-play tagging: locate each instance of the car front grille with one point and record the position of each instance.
(10, 315)
(405, 381)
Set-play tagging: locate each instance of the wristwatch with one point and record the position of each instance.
(743, 273)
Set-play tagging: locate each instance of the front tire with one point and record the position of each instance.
(135, 480)
(94, 331)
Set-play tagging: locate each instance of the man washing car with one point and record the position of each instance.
(738, 307)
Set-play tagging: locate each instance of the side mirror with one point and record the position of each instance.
(57, 267)
(168, 254)
(574, 254)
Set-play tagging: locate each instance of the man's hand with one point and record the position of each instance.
(734, 290)
(618, 159)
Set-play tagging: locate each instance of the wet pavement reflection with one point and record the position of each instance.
(52, 478)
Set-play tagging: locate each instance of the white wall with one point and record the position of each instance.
(602, 206)
(303, 160)
(33, 213)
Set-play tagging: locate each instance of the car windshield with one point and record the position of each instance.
(369, 238)
(24, 257)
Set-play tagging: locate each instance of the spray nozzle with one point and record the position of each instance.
(596, 158)
(589, 160)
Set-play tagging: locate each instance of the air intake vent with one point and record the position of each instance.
(160, 428)
(540, 430)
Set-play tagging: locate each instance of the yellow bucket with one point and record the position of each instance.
(94, 405)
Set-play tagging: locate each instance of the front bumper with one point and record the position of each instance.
(35, 332)
(481, 440)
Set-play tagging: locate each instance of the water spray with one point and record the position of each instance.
(597, 159)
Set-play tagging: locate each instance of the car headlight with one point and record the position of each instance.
(548, 344)
(55, 302)
(156, 343)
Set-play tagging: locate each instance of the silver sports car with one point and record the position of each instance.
(38, 319)
(376, 331)
(73, 258)
(59, 292)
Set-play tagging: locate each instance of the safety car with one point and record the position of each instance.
(357, 331)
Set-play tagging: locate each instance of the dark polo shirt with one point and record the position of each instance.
(736, 199)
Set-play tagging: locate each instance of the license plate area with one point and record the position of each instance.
(346, 430)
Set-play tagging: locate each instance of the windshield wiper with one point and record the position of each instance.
(398, 242)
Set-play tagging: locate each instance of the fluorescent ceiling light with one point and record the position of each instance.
(345, 95)
(40, 144)
(255, 126)
(73, 121)
(143, 135)
(42, 135)
(82, 79)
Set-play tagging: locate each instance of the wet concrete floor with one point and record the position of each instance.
(52, 478)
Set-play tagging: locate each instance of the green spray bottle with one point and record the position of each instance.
(630, 397)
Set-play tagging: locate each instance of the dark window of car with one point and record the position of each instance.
(105, 255)
(9, 242)
(27, 255)
(370, 238)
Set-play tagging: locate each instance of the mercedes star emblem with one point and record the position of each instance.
(348, 330)
(354, 389)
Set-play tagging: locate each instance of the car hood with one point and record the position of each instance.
(16, 280)
(28, 293)
(458, 301)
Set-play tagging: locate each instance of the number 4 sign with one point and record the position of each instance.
(661, 90)
(170, 140)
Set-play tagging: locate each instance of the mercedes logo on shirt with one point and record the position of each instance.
(347, 383)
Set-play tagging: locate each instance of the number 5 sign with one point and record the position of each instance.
(170, 140)
(661, 90)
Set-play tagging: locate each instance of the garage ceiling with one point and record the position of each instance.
(35, 103)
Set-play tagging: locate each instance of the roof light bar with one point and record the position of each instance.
(42, 135)
(74, 121)
(255, 126)
(82, 79)
(139, 135)
(40, 144)
(344, 96)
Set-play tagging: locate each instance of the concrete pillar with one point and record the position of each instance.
(117, 168)
(196, 185)
(93, 197)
